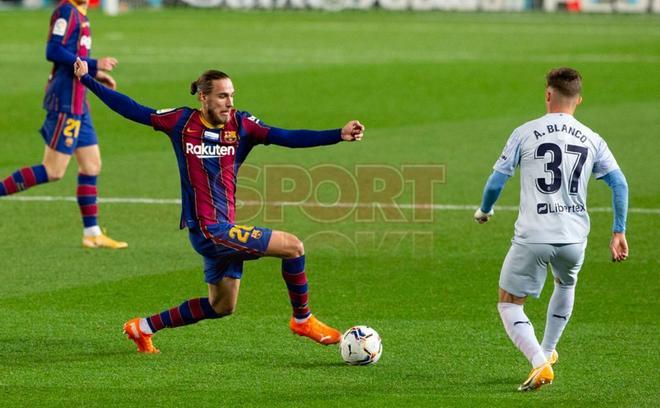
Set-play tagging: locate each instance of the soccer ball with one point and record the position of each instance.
(360, 345)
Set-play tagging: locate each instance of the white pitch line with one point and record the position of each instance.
(442, 207)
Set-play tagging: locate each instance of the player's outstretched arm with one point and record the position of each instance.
(352, 131)
(116, 101)
(492, 191)
(619, 186)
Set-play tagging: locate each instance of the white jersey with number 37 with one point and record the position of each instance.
(557, 155)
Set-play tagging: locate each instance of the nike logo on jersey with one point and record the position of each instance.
(522, 322)
(560, 317)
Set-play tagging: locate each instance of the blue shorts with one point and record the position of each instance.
(65, 132)
(224, 247)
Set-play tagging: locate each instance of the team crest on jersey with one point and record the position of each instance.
(256, 234)
(229, 136)
(68, 141)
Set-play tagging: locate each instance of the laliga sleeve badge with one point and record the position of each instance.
(59, 28)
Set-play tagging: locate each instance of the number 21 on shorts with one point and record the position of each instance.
(240, 233)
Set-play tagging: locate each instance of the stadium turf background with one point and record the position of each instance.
(432, 89)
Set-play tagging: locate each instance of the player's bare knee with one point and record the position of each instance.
(90, 169)
(223, 309)
(296, 248)
(506, 297)
(55, 174)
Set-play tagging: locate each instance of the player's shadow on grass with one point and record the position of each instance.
(501, 385)
(34, 352)
(314, 364)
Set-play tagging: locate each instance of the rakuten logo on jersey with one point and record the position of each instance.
(204, 151)
(554, 208)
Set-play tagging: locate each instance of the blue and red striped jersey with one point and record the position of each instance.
(69, 37)
(209, 158)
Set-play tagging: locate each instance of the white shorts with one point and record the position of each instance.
(526, 266)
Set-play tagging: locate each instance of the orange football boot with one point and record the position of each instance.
(316, 330)
(141, 340)
(538, 377)
(102, 241)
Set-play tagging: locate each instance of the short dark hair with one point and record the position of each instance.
(204, 84)
(566, 81)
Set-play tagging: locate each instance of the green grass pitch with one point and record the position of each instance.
(432, 89)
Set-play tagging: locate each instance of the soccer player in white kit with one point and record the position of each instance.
(556, 154)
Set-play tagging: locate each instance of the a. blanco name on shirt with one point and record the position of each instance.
(206, 151)
(552, 128)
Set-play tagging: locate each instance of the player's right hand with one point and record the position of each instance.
(482, 217)
(106, 63)
(619, 247)
(80, 68)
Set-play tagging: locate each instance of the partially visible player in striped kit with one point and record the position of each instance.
(68, 128)
(210, 144)
(557, 155)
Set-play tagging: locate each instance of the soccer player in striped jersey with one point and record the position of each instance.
(68, 129)
(210, 145)
(556, 154)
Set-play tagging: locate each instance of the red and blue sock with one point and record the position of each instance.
(87, 197)
(23, 179)
(189, 312)
(293, 272)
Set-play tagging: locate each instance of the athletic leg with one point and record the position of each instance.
(89, 167)
(523, 273)
(519, 328)
(52, 168)
(565, 268)
(220, 302)
(292, 252)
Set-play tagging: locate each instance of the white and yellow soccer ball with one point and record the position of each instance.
(361, 345)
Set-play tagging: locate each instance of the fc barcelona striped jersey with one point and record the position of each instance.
(209, 158)
(69, 37)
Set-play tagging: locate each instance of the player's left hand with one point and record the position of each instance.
(482, 217)
(107, 80)
(619, 247)
(352, 131)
